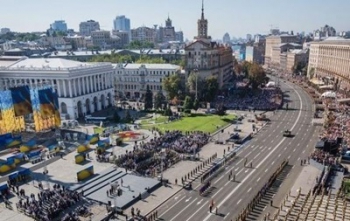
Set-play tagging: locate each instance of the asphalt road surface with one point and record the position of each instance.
(266, 151)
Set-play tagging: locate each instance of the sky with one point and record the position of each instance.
(236, 17)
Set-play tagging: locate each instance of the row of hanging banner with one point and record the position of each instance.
(18, 102)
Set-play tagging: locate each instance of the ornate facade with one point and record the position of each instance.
(208, 58)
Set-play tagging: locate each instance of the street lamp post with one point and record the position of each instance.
(162, 157)
(196, 72)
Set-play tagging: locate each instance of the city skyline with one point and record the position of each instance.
(225, 17)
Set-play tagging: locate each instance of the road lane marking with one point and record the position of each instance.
(298, 144)
(272, 162)
(279, 155)
(294, 150)
(255, 156)
(188, 199)
(227, 214)
(236, 169)
(189, 218)
(248, 154)
(249, 190)
(239, 162)
(183, 209)
(228, 196)
(239, 201)
(172, 206)
(199, 202)
(266, 170)
(217, 192)
(246, 171)
(303, 151)
(258, 180)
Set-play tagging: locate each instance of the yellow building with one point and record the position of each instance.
(329, 61)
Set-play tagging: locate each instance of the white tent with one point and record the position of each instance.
(329, 94)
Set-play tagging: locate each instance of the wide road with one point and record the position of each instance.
(266, 151)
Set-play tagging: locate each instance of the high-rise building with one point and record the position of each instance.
(86, 27)
(166, 33)
(144, 34)
(207, 58)
(121, 23)
(324, 32)
(249, 37)
(4, 31)
(179, 36)
(59, 25)
(226, 39)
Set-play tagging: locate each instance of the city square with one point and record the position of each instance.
(112, 118)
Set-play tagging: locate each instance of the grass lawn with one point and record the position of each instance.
(195, 122)
(347, 187)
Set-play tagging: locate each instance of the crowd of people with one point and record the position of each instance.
(336, 129)
(48, 204)
(323, 157)
(261, 99)
(147, 158)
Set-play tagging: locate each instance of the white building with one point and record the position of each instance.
(86, 27)
(131, 80)
(82, 88)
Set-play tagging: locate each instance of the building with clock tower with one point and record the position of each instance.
(207, 58)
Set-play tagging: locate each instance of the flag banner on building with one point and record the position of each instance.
(21, 100)
(57, 110)
(46, 99)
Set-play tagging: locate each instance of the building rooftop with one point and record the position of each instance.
(298, 51)
(333, 40)
(50, 64)
(149, 66)
(6, 61)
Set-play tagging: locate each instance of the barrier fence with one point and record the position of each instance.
(244, 214)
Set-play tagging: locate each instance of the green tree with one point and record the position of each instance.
(116, 117)
(311, 73)
(188, 104)
(140, 45)
(246, 67)
(147, 59)
(211, 88)
(180, 62)
(194, 79)
(168, 112)
(159, 100)
(128, 118)
(195, 104)
(256, 75)
(220, 109)
(172, 85)
(148, 99)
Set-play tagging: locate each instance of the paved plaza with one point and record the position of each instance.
(63, 171)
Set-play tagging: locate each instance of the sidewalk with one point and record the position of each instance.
(303, 183)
